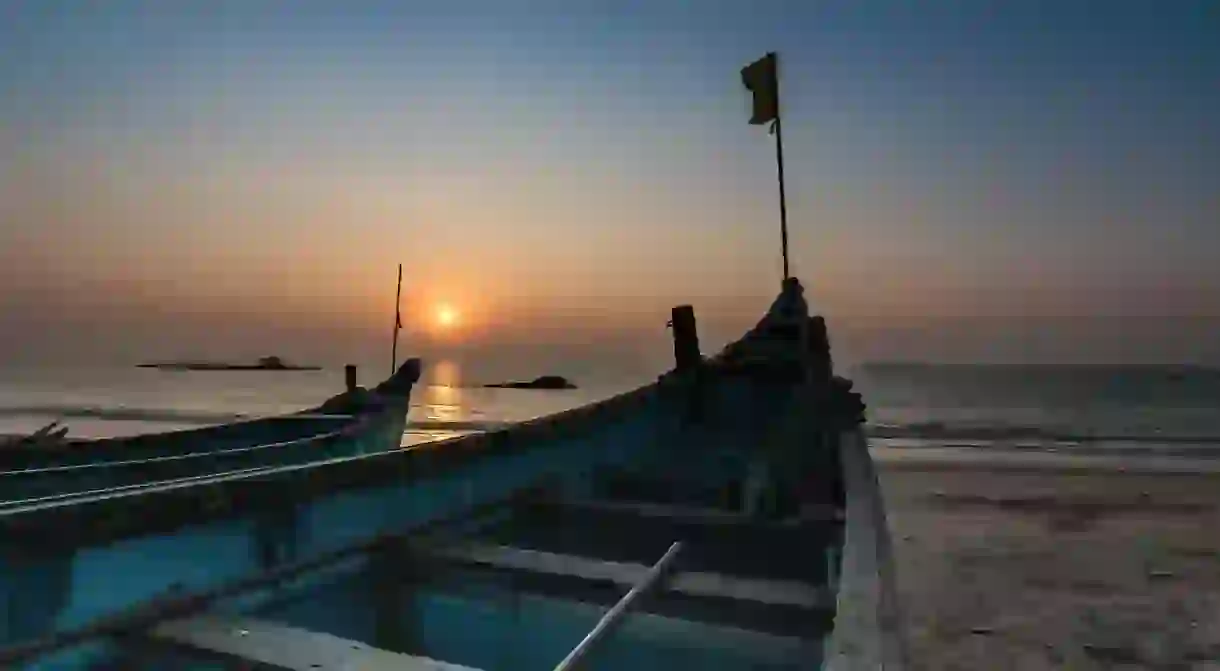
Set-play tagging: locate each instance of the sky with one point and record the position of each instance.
(967, 180)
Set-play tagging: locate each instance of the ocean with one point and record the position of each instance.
(1086, 408)
(1121, 409)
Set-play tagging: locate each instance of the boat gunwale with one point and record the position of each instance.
(71, 498)
(172, 457)
(72, 446)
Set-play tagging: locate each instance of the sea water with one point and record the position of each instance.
(1092, 409)
(1124, 409)
(118, 401)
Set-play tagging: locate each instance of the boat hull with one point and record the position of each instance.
(495, 551)
(334, 429)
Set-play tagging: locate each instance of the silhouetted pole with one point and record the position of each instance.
(686, 338)
(783, 201)
(397, 323)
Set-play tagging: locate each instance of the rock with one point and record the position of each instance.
(265, 363)
(543, 382)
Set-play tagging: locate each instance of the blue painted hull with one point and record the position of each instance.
(42, 474)
(496, 551)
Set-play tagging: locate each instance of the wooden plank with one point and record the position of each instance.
(689, 583)
(284, 647)
(698, 515)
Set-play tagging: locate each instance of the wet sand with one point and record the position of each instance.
(1056, 565)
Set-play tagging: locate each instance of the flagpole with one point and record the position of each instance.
(397, 323)
(779, 163)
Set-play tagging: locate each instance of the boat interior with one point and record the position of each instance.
(522, 584)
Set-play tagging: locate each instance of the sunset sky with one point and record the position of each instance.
(968, 180)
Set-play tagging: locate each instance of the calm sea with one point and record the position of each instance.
(1120, 409)
(1076, 408)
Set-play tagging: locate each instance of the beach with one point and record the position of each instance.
(1056, 563)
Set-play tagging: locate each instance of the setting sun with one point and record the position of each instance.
(446, 316)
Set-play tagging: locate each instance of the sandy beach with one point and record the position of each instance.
(1056, 564)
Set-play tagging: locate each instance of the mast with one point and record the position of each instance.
(783, 201)
(397, 323)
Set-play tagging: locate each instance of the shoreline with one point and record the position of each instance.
(1055, 561)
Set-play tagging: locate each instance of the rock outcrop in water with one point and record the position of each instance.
(543, 382)
(265, 363)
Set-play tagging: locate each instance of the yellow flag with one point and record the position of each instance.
(761, 79)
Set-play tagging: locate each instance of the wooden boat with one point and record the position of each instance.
(354, 422)
(725, 516)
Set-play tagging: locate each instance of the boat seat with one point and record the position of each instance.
(716, 541)
(258, 642)
(769, 606)
(690, 583)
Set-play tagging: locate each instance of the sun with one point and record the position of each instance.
(446, 316)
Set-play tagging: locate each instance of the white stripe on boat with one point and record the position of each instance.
(288, 647)
(771, 592)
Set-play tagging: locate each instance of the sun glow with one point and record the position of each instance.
(446, 316)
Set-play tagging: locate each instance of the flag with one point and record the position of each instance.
(761, 78)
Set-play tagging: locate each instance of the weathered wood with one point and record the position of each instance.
(689, 583)
(389, 573)
(700, 514)
(868, 631)
(286, 647)
(148, 614)
(686, 338)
